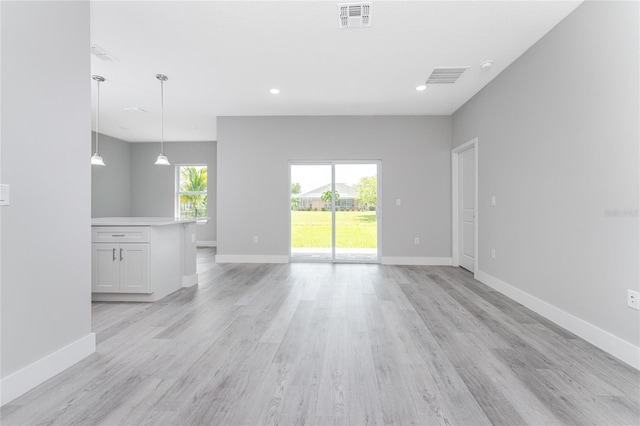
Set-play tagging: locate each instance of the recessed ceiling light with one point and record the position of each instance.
(421, 87)
(486, 64)
(99, 52)
(133, 109)
(274, 91)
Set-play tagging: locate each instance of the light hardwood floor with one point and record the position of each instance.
(333, 344)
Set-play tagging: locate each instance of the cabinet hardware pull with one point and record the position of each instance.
(121, 258)
(114, 254)
(117, 235)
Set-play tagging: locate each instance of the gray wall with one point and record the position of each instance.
(45, 232)
(558, 133)
(153, 187)
(253, 173)
(111, 185)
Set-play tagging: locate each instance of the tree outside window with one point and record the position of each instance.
(192, 192)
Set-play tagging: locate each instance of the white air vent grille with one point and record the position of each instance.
(448, 75)
(354, 15)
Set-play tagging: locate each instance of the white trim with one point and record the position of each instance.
(606, 341)
(455, 247)
(189, 280)
(207, 244)
(27, 378)
(251, 258)
(421, 261)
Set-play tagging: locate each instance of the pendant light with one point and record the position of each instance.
(96, 159)
(162, 159)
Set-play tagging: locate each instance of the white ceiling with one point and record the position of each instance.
(222, 57)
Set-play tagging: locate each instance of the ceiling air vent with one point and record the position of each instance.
(354, 15)
(448, 75)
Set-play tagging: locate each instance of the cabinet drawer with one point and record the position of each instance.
(120, 234)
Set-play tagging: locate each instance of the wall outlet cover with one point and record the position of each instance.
(633, 299)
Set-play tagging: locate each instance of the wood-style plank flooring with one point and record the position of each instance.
(333, 344)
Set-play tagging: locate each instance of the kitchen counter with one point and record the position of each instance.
(138, 221)
(141, 259)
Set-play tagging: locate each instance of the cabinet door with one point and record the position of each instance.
(105, 265)
(134, 268)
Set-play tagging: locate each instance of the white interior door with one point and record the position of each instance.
(466, 208)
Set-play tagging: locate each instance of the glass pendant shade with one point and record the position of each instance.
(162, 160)
(96, 160)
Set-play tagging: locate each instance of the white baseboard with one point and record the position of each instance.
(206, 244)
(42, 370)
(250, 258)
(606, 341)
(189, 280)
(420, 261)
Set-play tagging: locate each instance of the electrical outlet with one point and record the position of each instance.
(493, 253)
(493, 200)
(398, 202)
(255, 239)
(416, 241)
(633, 299)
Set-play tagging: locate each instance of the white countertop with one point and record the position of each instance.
(138, 221)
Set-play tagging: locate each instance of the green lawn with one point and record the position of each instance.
(353, 229)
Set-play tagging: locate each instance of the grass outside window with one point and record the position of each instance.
(354, 229)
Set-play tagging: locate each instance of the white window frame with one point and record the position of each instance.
(199, 221)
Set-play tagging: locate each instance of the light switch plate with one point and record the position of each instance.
(4, 194)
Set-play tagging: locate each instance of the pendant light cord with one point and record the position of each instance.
(98, 79)
(162, 159)
(162, 116)
(98, 117)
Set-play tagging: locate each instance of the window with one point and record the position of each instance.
(191, 199)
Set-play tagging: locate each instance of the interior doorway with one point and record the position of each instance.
(464, 174)
(335, 211)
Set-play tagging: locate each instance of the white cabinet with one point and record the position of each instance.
(134, 262)
(120, 259)
(105, 271)
(120, 268)
(134, 268)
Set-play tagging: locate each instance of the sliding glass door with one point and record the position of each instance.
(311, 220)
(334, 211)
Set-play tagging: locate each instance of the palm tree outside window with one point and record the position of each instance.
(191, 200)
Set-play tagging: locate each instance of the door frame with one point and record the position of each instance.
(333, 163)
(455, 219)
